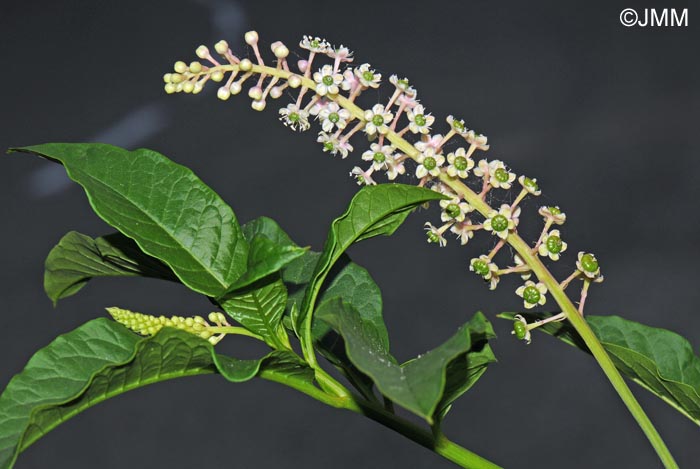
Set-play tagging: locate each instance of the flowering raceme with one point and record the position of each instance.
(399, 131)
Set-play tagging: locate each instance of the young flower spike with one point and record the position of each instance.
(552, 245)
(532, 293)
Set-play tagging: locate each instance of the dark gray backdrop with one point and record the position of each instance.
(605, 116)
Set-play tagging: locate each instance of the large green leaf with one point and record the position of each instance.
(659, 360)
(270, 250)
(375, 210)
(259, 308)
(97, 361)
(418, 385)
(354, 285)
(170, 213)
(77, 258)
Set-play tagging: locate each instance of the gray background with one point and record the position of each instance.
(605, 116)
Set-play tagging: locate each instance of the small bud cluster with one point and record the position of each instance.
(400, 130)
(148, 325)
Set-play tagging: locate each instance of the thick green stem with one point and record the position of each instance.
(543, 274)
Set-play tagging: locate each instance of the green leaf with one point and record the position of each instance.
(270, 250)
(77, 258)
(417, 385)
(96, 361)
(659, 360)
(259, 309)
(354, 285)
(464, 371)
(301, 270)
(375, 210)
(170, 213)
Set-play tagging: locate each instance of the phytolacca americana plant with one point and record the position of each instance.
(172, 226)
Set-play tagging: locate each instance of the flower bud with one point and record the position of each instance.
(166, 77)
(275, 92)
(221, 47)
(202, 52)
(180, 66)
(197, 88)
(303, 65)
(235, 88)
(258, 105)
(251, 38)
(279, 49)
(255, 93)
(195, 67)
(170, 88)
(217, 76)
(188, 87)
(294, 81)
(223, 93)
(245, 65)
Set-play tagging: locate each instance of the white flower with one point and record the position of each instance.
(419, 121)
(464, 231)
(532, 293)
(368, 77)
(295, 118)
(402, 85)
(530, 185)
(429, 163)
(332, 145)
(314, 44)
(381, 156)
(350, 81)
(429, 141)
(333, 116)
(363, 177)
(521, 329)
(341, 54)
(502, 222)
(394, 169)
(454, 209)
(482, 168)
(499, 176)
(587, 264)
(552, 246)
(327, 82)
(459, 163)
(484, 267)
(477, 141)
(435, 235)
(553, 213)
(458, 126)
(377, 119)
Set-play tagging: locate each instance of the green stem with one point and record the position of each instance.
(531, 260)
(436, 443)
